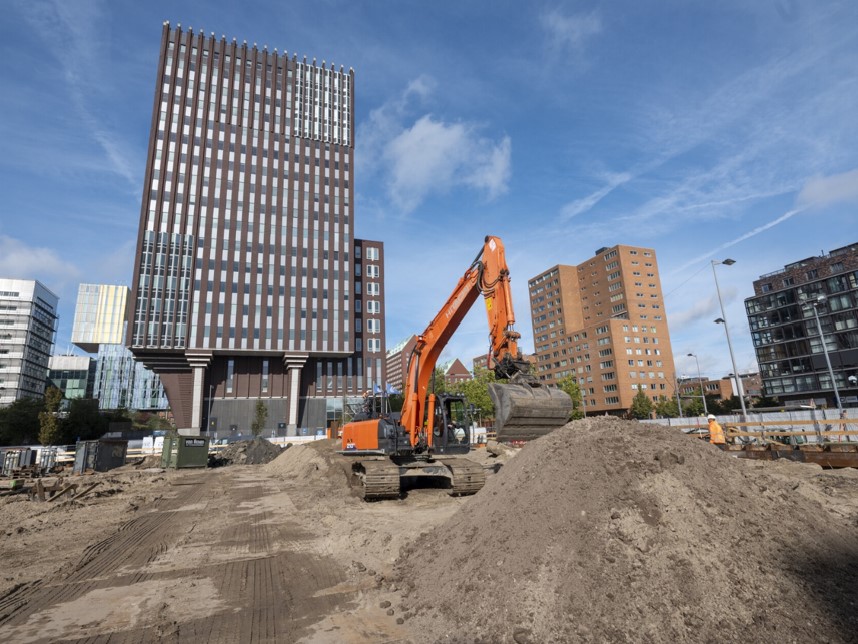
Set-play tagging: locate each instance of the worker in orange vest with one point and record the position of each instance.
(716, 434)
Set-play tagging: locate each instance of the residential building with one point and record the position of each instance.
(782, 315)
(397, 362)
(455, 371)
(73, 375)
(723, 388)
(99, 327)
(603, 322)
(248, 281)
(28, 324)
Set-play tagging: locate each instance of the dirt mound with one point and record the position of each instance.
(316, 461)
(257, 451)
(609, 530)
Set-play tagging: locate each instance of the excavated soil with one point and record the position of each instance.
(610, 530)
(604, 531)
(256, 451)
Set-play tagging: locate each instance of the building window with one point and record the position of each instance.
(230, 370)
(265, 376)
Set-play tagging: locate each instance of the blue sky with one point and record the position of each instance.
(703, 130)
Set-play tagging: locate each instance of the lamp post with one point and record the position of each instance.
(723, 320)
(678, 399)
(700, 382)
(821, 300)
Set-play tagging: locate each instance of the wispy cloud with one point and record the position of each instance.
(22, 261)
(826, 191)
(72, 36)
(569, 33)
(582, 205)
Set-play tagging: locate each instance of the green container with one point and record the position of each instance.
(185, 451)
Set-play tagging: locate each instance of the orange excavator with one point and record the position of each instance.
(433, 431)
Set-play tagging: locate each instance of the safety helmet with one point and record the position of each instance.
(711, 417)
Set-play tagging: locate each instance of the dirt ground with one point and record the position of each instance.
(605, 530)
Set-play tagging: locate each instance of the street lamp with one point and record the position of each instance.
(700, 381)
(723, 320)
(821, 300)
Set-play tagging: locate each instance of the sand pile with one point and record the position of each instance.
(316, 462)
(257, 451)
(609, 530)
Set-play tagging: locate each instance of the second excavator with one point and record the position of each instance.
(433, 431)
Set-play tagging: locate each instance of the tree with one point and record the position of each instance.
(476, 390)
(569, 384)
(49, 424)
(666, 407)
(19, 422)
(694, 406)
(259, 417)
(641, 406)
(84, 421)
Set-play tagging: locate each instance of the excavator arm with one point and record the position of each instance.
(515, 404)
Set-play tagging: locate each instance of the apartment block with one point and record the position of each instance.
(603, 322)
(782, 316)
(397, 362)
(249, 283)
(28, 324)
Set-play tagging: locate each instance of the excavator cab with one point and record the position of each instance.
(451, 428)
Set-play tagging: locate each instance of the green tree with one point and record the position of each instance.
(476, 390)
(438, 382)
(84, 421)
(641, 406)
(155, 422)
(259, 417)
(49, 423)
(666, 407)
(19, 422)
(569, 384)
(694, 405)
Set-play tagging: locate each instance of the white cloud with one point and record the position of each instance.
(582, 205)
(569, 33)
(21, 261)
(825, 191)
(432, 156)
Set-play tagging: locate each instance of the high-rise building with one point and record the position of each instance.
(247, 281)
(99, 326)
(28, 323)
(782, 317)
(603, 322)
(397, 362)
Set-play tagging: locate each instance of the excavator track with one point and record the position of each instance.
(468, 477)
(378, 479)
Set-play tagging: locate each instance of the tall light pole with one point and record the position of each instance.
(821, 300)
(678, 399)
(700, 382)
(723, 320)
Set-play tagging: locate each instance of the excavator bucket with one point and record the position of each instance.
(524, 412)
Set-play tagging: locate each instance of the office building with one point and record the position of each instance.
(455, 372)
(28, 324)
(248, 281)
(73, 375)
(782, 316)
(603, 322)
(100, 324)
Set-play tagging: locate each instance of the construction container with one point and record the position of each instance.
(100, 456)
(185, 451)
